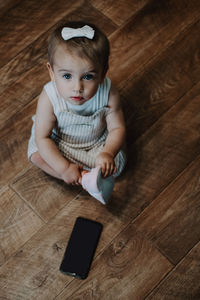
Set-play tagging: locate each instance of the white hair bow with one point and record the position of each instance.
(85, 31)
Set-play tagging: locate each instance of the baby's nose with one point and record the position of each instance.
(78, 86)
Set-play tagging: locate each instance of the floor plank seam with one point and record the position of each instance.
(64, 206)
(163, 115)
(160, 282)
(43, 34)
(95, 259)
(166, 187)
(186, 254)
(36, 233)
(172, 270)
(150, 241)
(22, 171)
(18, 112)
(3, 189)
(28, 204)
(32, 208)
(141, 70)
(104, 16)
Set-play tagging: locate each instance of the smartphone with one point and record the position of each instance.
(81, 248)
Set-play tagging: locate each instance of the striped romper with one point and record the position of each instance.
(80, 131)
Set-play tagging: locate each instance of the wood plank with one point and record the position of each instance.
(160, 155)
(18, 223)
(153, 29)
(17, 32)
(119, 11)
(128, 269)
(172, 220)
(147, 95)
(183, 282)
(22, 91)
(13, 144)
(90, 14)
(43, 193)
(33, 273)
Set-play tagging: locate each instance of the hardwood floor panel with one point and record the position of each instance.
(183, 282)
(128, 269)
(17, 30)
(33, 273)
(147, 95)
(13, 144)
(44, 194)
(172, 220)
(86, 206)
(15, 217)
(90, 14)
(157, 158)
(153, 29)
(22, 91)
(119, 11)
(25, 62)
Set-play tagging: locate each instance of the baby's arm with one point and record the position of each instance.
(45, 122)
(116, 134)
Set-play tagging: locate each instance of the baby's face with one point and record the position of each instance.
(76, 78)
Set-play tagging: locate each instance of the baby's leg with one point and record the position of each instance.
(38, 161)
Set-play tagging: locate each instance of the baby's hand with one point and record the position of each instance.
(72, 175)
(107, 163)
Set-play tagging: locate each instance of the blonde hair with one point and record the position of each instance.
(96, 50)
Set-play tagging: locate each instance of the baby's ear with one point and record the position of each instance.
(51, 72)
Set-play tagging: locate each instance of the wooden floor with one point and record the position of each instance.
(150, 244)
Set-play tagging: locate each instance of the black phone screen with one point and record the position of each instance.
(81, 248)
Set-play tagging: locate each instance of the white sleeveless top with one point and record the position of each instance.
(80, 132)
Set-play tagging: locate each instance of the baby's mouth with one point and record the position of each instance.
(77, 98)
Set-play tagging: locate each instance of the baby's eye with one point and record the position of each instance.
(67, 76)
(88, 77)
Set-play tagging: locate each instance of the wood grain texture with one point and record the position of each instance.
(15, 216)
(32, 273)
(151, 92)
(44, 194)
(172, 220)
(172, 141)
(36, 265)
(13, 144)
(17, 30)
(127, 269)
(21, 92)
(153, 29)
(183, 282)
(119, 11)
